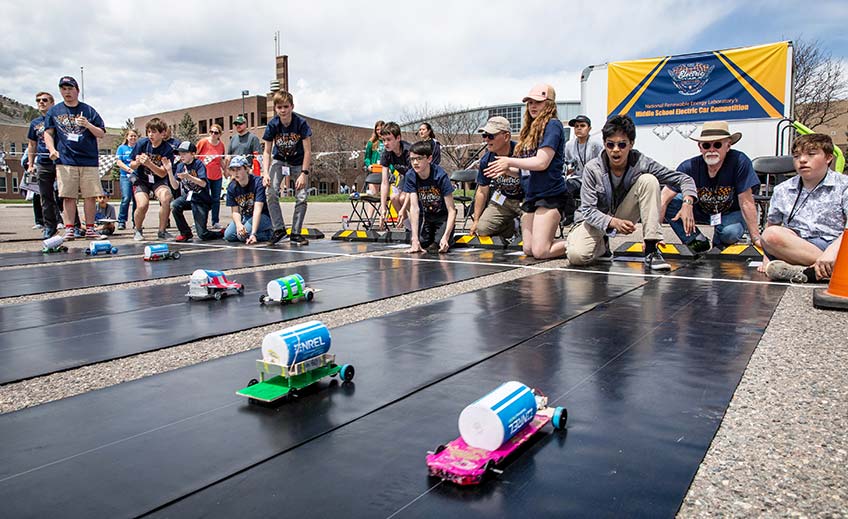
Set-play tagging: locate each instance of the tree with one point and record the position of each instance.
(187, 130)
(333, 157)
(820, 84)
(456, 129)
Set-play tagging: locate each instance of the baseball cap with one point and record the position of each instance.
(239, 161)
(239, 120)
(68, 80)
(580, 119)
(187, 146)
(495, 125)
(540, 92)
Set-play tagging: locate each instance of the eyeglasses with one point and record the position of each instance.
(715, 144)
(240, 124)
(613, 145)
(215, 132)
(43, 100)
(490, 136)
(416, 160)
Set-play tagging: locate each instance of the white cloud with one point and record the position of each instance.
(350, 62)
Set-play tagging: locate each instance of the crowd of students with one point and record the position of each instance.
(605, 185)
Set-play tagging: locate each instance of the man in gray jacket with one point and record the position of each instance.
(620, 188)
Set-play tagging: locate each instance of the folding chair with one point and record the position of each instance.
(772, 171)
(361, 202)
(460, 177)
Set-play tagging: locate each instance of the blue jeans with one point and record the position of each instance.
(199, 211)
(126, 200)
(215, 187)
(727, 233)
(263, 234)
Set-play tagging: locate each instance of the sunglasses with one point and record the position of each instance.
(490, 136)
(613, 145)
(42, 100)
(215, 132)
(715, 144)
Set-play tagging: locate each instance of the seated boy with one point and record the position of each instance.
(148, 159)
(432, 211)
(246, 195)
(190, 179)
(103, 210)
(807, 216)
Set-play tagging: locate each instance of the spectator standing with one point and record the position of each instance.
(211, 151)
(124, 153)
(40, 164)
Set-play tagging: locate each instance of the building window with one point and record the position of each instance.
(263, 119)
(231, 122)
(220, 122)
(3, 183)
(201, 127)
(24, 146)
(12, 149)
(14, 183)
(512, 113)
(108, 186)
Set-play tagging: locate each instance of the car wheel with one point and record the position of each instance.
(240, 290)
(559, 418)
(310, 295)
(217, 295)
(346, 373)
(252, 382)
(176, 255)
(440, 448)
(262, 299)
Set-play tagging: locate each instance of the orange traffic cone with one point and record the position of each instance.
(835, 297)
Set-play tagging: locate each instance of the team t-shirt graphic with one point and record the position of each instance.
(508, 185)
(286, 143)
(714, 200)
(67, 124)
(430, 198)
(245, 201)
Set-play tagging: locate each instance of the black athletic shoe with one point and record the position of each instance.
(699, 246)
(277, 235)
(299, 239)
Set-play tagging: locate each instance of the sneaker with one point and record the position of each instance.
(607, 255)
(217, 227)
(183, 237)
(778, 270)
(137, 236)
(122, 226)
(277, 235)
(37, 227)
(79, 233)
(69, 233)
(165, 235)
(655, 261)
(48, 233)
(698, 246)
(91, 234)
(299, 239)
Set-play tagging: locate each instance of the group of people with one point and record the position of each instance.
(605, 184)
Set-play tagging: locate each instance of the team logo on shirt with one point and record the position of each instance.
(690, 78)
(715, 200)
(67, 124)
(245, 201)
(508, 185)
(430, 198)
(39, 131)
(286, 143)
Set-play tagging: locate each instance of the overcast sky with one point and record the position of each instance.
(354, 62)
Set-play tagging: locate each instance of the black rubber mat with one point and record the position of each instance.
(121, 323)
(28, 281)
(646, 382)
(140, 445)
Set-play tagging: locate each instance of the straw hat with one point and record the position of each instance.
(716, 131)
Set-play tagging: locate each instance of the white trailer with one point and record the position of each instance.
(670, 97)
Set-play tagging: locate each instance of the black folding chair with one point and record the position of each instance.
(459, 178)
(771, 171)
(361, 203)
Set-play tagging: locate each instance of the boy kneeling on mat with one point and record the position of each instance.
(432, 211)
(190, 178)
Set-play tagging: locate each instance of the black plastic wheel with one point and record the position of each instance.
(310, 295)
(176, 255)
(240, 290)
(440, 448)
(217, 295)
(252, 382)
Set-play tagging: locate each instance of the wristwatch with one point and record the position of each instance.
(688, 201)
(305, 171)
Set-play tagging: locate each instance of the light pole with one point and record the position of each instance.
(243, 93)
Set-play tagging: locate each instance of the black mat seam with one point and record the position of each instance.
(400, 399)
(203, 337)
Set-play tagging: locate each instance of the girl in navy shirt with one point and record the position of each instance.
(538, 157)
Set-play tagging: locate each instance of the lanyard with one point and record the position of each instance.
(797, 207)
(583, 158)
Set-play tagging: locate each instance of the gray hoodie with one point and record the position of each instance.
(596, 193)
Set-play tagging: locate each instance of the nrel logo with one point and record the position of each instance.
(520, 420)
(308, 345)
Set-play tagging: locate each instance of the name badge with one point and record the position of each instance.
(525, 172)
(73, 137)
(189, 195)
(286, 171)
(150, 178)
(498, 198)
(715, 219)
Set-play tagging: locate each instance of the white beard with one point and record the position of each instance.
(712, 159)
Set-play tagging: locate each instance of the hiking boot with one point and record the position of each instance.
(137, 236)
(299, 239)
(165, 235)
(277, 236)
(655, 261)
(183, 237)
(779, 270)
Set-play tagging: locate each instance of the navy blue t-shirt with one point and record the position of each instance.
(431, 190)
(721, 194)
(398, 164)
(156, 154)
(200, 193)
(76, 145)
(36, 133)
(245, 197)
(511, 187)
(548, 183)
(288, 140)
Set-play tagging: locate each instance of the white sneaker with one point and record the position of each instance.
(165, 235)
(655, 261)
(217, 227)
(38, 226)
(778, 270)
(138, 236)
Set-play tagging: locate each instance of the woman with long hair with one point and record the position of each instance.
(211, 150)
(124, 152)
(538, 160)
(426, 133)
(374, 146)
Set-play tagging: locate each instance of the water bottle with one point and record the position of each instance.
(345, 220)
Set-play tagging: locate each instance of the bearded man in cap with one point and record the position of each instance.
(725, 180)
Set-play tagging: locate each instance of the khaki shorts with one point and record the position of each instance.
(78, 180)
